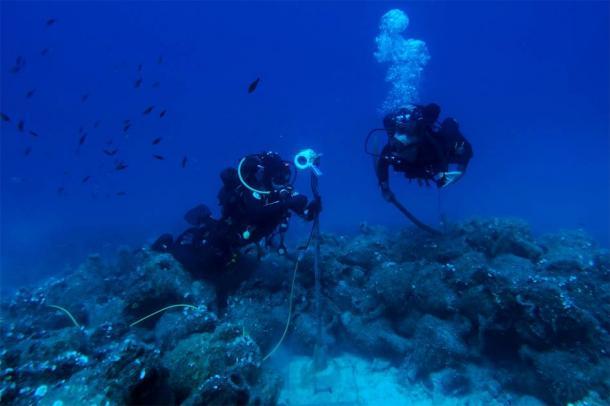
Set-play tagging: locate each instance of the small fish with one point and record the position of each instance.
(81, 129)
(126, 121)
(120, 166)
(82, 139)
(160, 59)
(140, 68)
(253, 85)
(19, 65)
(27, 151)
(61, 190)
(126, 127)
(44, 51)
(109, 141)
(33, 134)
(84, 97)
(159, 157)
(148, 110)
(137, 83)
(51, 21)
(5, 118)
(86, 178)
(162, 114)
(120, 193)
(96, 124)
(20, 125)
(156, 84)
(157, 140)
(111, 152)
(30, 93)
(184, 161)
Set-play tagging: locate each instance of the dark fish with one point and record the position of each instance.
(86, 178)
(5, 118)
(137, 83)
(30, 93)
(119, 166)
(156, 84)
(120, 193)
(27, 151)
(140, 68)
(253, 85)
(20, 125)
(126, 121)
(51, 21)
(160, 59)
(111, 152)
(96, 124)
(33, 134)
(156, 141)
(84, 97)
(126, 127)
(61, 190)
(109, 141)
(159, 157)
(148, 110)
(184, 161)
(162, 114)
(82, 139)
(81, 129)
(44, 51)
(19, 65)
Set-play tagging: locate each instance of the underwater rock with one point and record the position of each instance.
(566, 376)
(373, 338)
(485, 308)
(157, 282)
(452, 382)
(436, 345)
(173, 326)
(202, 361)
(502, 236)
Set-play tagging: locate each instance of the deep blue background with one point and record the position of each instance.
(528, 82)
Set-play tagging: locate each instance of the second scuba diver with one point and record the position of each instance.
(257, 199)
(421, 149)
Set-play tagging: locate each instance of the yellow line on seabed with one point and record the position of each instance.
(161, 310)
(67, 312)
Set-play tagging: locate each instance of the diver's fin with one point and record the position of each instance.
(198, 215)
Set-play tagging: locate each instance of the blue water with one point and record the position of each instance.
(528, 82)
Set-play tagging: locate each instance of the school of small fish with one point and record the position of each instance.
(119, 164)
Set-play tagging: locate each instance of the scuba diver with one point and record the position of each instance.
(422, 150)
(257, 199)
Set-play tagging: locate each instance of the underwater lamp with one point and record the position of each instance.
(308, 159)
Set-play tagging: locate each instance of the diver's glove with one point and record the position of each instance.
(444, 179)
(386, 192)
(313, 208)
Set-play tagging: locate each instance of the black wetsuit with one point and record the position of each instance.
(247, 218)
(427, 149)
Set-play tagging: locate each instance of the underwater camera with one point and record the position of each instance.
(308, 159)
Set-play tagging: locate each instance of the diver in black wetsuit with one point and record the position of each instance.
(421, 149)
(257, 200)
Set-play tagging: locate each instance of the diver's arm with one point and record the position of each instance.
(257, 210)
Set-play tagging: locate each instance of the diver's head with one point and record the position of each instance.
(430, 113)
(278, 173)
(265, 172)
(398, 120)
